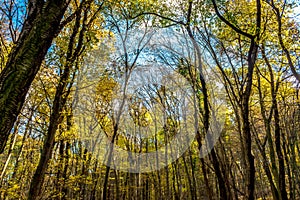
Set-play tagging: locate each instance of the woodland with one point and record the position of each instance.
(149, 99)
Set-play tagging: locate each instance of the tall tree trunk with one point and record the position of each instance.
(274, 88)
(282, 184)
(206, 117)
(267, 123)
(250, 167)
(62, 92)
(55, 119)
(251, 59)
(39, 29)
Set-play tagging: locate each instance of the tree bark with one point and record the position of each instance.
(39, 29)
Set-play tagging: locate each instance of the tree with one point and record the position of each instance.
(75, 48)
(144, 76)
(246, 92)
(40, 27)
(279, 17)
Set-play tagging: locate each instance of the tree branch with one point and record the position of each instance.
(230, 24)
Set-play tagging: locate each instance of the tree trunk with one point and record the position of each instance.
(39, 29)
(250, 167)
(61, 95)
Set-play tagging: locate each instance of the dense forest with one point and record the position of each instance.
(149, 99)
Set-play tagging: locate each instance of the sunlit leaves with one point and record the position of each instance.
(140, 115)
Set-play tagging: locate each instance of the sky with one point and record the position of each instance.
(297, 13)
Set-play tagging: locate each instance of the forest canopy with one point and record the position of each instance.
(149, 99)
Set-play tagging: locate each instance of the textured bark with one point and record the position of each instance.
(39, 29)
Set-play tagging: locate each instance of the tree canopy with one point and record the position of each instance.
(149, 99)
